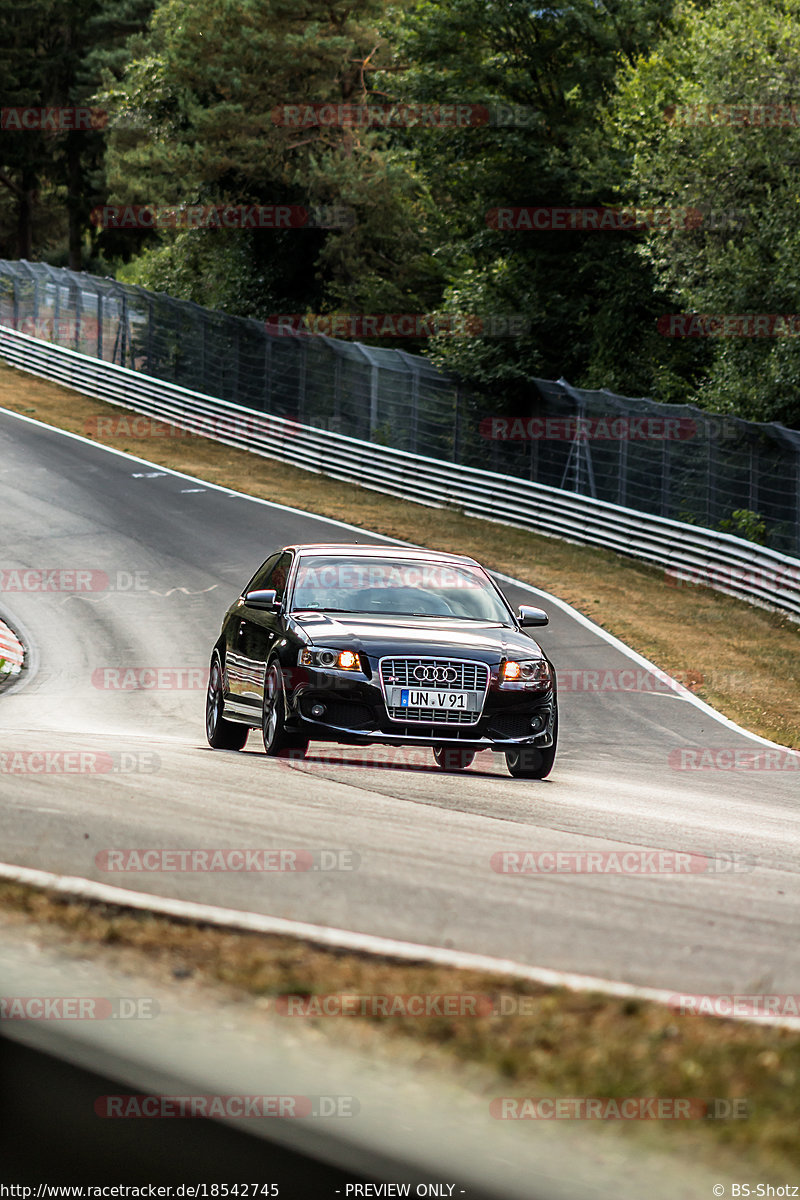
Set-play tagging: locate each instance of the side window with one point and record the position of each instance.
(259, 580)
(280, 574)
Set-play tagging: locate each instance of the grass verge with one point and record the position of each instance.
(513, 1038)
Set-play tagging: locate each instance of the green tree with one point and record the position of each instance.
(195, 122)
(29, 50)
(52, 53)
(583, 293)
(709, 119)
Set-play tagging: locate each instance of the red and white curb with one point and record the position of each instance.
(361, 943)
(12, 653)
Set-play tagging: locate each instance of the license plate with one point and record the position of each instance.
(439, 701)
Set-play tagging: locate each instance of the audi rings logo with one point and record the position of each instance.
(435, 674)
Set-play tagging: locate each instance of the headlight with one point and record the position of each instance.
(319, 656)
(533, 674)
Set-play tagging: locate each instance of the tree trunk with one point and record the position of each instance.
(26, 197)
(74, 200)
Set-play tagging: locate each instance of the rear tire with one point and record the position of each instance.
(527, 762)
(221, 734)
(453, 758)
(277, 742)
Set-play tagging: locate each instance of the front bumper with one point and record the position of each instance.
(355, 714)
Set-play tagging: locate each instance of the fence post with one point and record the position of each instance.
(456, 425)
(414, 423)
(78, 314)
(711, 480)
(665, 478)
(622, 473)
(373, 400)
(56, 312)
(752, 492)
(336, 421)
(36, 307)
(302, 379)
(267, 372)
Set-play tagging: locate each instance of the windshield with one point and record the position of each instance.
(397, 586)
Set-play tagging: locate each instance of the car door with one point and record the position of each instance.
(255, 630)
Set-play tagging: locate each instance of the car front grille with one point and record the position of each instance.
(469, 677)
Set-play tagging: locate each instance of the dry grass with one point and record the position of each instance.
(742, 660)
(563, 1043)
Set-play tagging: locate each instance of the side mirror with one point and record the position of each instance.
(532, 616)
(266, 599)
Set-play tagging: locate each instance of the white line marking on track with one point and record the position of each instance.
(345, 939)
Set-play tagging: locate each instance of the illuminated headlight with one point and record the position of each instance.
(534, 674)
(317, 656)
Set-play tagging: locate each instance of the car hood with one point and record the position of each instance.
(445, 638)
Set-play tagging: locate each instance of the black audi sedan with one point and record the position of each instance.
(359, 644)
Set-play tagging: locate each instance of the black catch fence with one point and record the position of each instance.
(674, 461)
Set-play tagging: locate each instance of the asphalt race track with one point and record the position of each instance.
(419, 843)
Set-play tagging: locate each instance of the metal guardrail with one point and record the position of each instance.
(688, 553)
(674, 461)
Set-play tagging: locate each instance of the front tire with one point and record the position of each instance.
(277, 742)
(221, 734)
(453, 758)
(526, 762)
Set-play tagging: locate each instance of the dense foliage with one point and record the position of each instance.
(587, 104)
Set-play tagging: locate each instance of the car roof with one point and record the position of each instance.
(361, 548)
